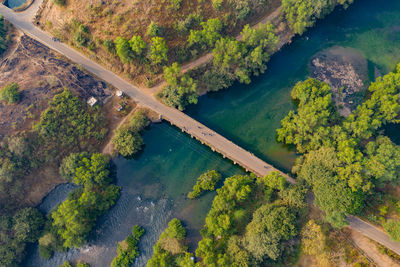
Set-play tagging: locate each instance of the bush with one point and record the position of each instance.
(180, 90)
(127, 140)
(59, 2)
(10, 94)
(127, 250)
(170, 249)
(206, 182)
(154, 30)
(392, 227)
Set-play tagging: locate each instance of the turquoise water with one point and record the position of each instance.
(154, 186)
(15, 3)
(155, 183)
(250, 114)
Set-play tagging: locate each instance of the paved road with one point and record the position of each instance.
(373, 233)
(179, 119)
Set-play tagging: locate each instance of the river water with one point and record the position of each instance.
(154, 183)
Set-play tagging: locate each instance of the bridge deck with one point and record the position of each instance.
(217, 142)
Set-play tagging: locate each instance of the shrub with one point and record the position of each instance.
(59, 2)
(127, 250)
(127, 140)
(392, 227)
(154, 30)
(10, 93)
(206, 182)
(158, 50)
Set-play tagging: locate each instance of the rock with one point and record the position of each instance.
(345, 70)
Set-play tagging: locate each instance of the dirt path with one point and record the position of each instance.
(372, 251)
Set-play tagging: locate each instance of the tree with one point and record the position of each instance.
(180, 90)
(70, 164)
(154, 30)
(384, 160)
(10, 94)
(206, 182)
(127, 250)
(3, 35)
(302, 14)
(27, 224)
(308, 129)
(59, 2)
(158, 50)
(313, 240)
(138, 46)
(229, 56)
(209, 34)
(127, 142)
(170, 249)
(270, 225)
(92, 171)
(67, 125)
(123, 49)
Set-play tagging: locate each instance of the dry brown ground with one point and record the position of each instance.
(110, 19)
(371, 250)
(41, 73)
(339, 251)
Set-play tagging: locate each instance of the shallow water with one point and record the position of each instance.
(250, 114)
(15, 3)
(154, 184)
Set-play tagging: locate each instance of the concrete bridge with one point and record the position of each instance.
(207, 136)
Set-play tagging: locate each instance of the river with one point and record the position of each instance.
(154, 183)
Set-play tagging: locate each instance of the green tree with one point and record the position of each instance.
(123, 49)
(66, 126)
(59, 2)
(10, 94)
(180, 90)
(138, 46)
(158, 50)
(303, 14)
(70, 164)
(270, 225)
(170, 249)
(127, 250)
(27, 224)
(154, 30)
(206, 182)
(127, 142)
(3, 35)
(313, 241)
(208, 35)
(384, 160)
